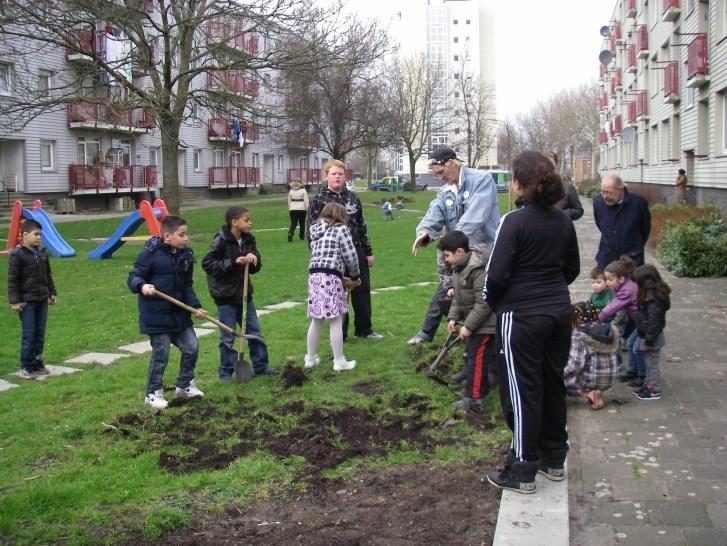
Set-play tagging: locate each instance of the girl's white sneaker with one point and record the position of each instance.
(311, 362)
(343, 364)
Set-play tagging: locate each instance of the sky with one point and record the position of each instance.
(543, 46)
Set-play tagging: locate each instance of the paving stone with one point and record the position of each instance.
(718, 514)
(698, 490)
(619, 513)
(208, 325)
(138, 348)
(593, 535)
(263, 312)
(54, 371)
(630, 489)
(96, 358)
(647, 535)
(390, 288)
(676, 513)
(201, 332)
(698, 536)
(282, 305)
(425, 283)
(6, 385)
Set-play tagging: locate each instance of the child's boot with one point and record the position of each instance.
(341, 364)
(311, 362)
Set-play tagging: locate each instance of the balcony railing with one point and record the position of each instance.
(220, 129)
(616, 82)
(630, 6)
(233, 177)
(106, 116)
(302, 139)
(631, 116)
(670, 10)
(617, 35)
(642, 105)
(603, 137)
(82, 44)
(642, 41)
(697, 64)
(306, 176)
(111, 179)
(671, 82)
(631, 58)
(603, 101)
(617, 125)
(230, 35)
(233, 83)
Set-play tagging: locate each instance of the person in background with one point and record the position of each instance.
(30, 290)
(388, 212)
(681, 187)
(297, 209)
(571, 203)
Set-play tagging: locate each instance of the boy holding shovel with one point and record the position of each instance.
(166, 264)
(234, 252)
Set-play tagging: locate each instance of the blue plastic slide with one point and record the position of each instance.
(130, 224)
(56, 245)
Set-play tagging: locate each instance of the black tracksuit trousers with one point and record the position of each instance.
(360, 301)
(534, 353)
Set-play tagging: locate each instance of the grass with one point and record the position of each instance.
(67, 477)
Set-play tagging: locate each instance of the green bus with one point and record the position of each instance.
(502, 179)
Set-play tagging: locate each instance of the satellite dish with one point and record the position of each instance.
(605, 57)
(605, 31)
(628, 135)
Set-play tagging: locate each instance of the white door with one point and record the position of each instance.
(182, 167)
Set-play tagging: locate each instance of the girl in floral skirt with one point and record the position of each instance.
(333, 253)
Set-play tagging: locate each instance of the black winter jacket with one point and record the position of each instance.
(356, 220)
(224, 276)
(651, 317)
(170, 272)
(534, 259)
(29, 277)
(624, 228)
(571, 203)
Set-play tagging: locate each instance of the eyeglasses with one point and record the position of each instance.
(611, 192)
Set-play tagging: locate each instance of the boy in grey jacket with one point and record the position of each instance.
(477, 319)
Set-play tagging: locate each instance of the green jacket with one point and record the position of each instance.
(468, 306)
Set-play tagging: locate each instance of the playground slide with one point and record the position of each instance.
(56, 245)
(130, 224)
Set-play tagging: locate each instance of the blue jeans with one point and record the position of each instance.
(637, 361)
(33, 319)
(186, 342)
(231, 315)
(434, 315)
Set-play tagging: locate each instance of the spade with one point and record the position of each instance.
(243, 371)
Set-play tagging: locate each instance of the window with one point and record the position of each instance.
(456, 76)
(456, 130)
(47, 155)
(690, 97)
(456, 94)
(456, 40)
(280, 163)
(218, 158)
(44, 82)
(255, 160)
(454, 22)
(690, 5)
(456, 57)
(153, 156)
(198, 161)
(6, 84)
(723, 118)
(89, 151)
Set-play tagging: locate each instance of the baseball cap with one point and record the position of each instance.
(441, 155)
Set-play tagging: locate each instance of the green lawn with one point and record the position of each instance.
(68, 477)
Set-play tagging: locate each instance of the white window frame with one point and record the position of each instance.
(154, 156)
(724, 122)
(280, 163)
(197, 160)
(218, 157)
(6, 77)
(86, 143)
(51, 165)
(47, 75)
(255, 160)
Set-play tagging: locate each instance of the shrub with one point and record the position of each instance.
(591, 191)
(696, 248)
(662, 215)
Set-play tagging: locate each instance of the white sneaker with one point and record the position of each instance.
(415, 340)
(310, 363)
(156, 400)
(190, 392)
(343, 364)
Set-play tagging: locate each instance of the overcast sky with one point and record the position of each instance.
(543, 46)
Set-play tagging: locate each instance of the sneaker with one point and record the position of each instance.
(156, 400)
(268, 371)
(459, 376)
(190, 392)
(373, 335)
(42, 370)
(311, 362)
(343, 364)
(648, 394)
(553, 474)
(636, 382)
(416, 340)
(28, 374)
(468, 404)
(503, 480)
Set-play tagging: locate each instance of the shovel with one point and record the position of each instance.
(451, 340)
(243, 372)
(220, 325)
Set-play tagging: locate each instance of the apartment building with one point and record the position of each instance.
(663, 97)
(89, 153)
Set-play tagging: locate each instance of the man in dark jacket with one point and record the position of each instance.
(624, 220)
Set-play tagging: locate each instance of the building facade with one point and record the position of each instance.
(88, 153)
(663, 98)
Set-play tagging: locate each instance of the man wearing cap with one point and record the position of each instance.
(467, 202)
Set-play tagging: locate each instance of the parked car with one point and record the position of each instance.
(407, 187)
(502, 179)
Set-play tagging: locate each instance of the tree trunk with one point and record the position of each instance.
(412, 173)
(171, 192)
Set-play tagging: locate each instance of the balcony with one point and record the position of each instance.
(233, 177)
(630, 8)
(617, 125)
(603, 137)
(84, 45)
(85, 179)
(233, 83)
(642, 106)
(697, 64)
(617, 33)
(85, 115)
(229, 35)
(616, 82)
(671, 83)
(631, 59)
(306, 176)
(302, 140)
(603, 101)
(642, 42)
(670, 10)
(220, 130)
(631, 116)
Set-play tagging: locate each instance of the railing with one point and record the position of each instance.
(233, 177)
(671, 80)
(631, 58)
(642, 104)
(617, 125)
(87, 113)
(630, 8)
(617, 31)
(631, 117)
(85, 42)
(232, 82)
(602, 137)
(229, 34)
(616, 82)
(603, 101)
(303, 139)
(116, 178)
(306, 176)
(666, 5)
(642, 39)
(221, 128)
(697, 57)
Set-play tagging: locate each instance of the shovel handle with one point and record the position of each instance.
(191, 309)
(243, 321)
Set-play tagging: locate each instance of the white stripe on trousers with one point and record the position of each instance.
(506, 333)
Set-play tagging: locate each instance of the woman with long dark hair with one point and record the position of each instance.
(534, 259)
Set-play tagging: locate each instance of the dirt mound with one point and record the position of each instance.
(293, 376)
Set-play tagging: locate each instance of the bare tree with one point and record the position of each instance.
(509, 142)
(169, 58)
